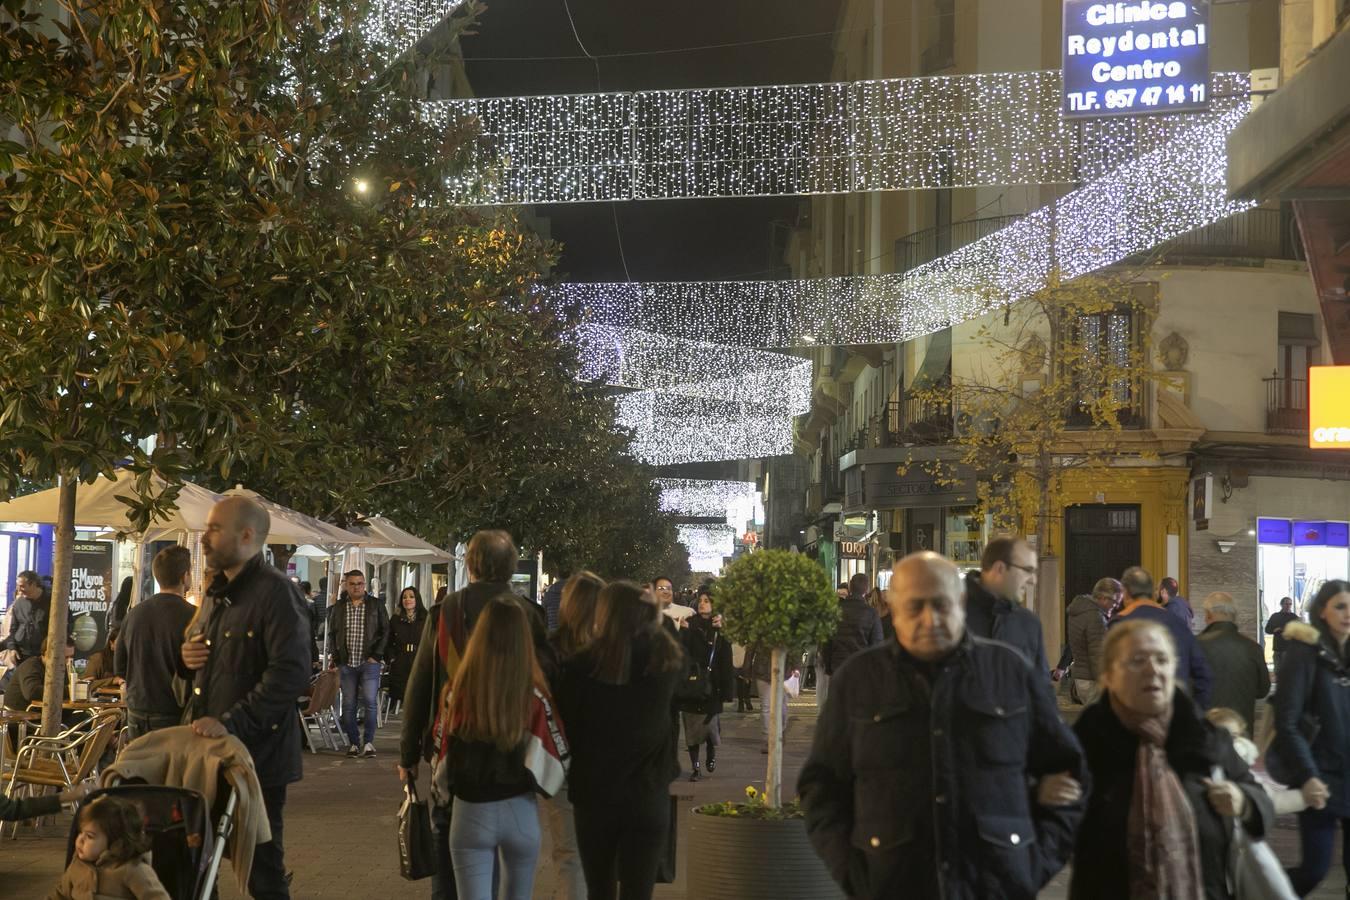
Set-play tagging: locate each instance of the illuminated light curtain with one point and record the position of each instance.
(697, 401)
(401, 23)
(708, 545)
(706, 498)
(793, 140)
(1142, 204)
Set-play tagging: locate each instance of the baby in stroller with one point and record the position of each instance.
(112, 856)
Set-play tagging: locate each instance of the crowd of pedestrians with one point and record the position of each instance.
(916, 781)
(940, 764)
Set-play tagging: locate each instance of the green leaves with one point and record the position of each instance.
(777, 598)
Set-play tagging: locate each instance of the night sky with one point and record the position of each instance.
(676, 240)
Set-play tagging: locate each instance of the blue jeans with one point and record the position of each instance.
(480, 833)
(1317, 831)
(367, 676)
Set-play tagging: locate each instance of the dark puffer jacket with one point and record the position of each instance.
(1312, 694)
(1193, 747)
(1087, 630)
(917, 785)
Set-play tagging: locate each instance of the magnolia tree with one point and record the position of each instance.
(782, 602)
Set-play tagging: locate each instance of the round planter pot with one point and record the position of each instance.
(748, 859)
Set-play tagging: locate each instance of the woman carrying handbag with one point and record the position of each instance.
(706, 646)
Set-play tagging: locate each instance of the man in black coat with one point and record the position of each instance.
(917, 783)
(994, 607)
(1240, 674)
(1275, 625)
(358, 632)
(859, 628)
(248, 655)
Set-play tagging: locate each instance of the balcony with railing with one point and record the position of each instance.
(1286, 405)
(1253, 234)
(913, 421)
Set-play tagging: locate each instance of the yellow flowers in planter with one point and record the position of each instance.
(755, 807)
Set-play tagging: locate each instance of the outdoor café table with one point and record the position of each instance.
(83, 705)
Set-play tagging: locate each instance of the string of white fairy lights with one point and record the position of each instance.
(1142, 203)
(1001, 128)
(399, 24)
(732, 500)
(708, 545)
(695, 401)
(1147, 180)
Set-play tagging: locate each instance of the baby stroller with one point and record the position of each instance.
(185, 850)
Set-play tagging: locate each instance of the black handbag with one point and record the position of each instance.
(416, 849)
(697, 688)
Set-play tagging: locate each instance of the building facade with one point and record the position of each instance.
(1230, 329)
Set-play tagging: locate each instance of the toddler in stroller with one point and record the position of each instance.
(111, 855)
(173, 825)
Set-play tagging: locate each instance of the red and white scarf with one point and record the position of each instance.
(546, 753)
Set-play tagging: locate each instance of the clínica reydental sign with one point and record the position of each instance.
(1132, 58)
(1329, 407)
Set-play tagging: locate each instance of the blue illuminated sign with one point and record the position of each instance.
(1133, 58)
(1310, 534)
(1274, 531)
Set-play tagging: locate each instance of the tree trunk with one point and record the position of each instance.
(773, 779)
(1042, 527)
(53, 690)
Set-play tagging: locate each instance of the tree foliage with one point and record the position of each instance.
(1057, 381)
(777, 598)
(229, 225)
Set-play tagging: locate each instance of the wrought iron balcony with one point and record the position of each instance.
(1286, 405)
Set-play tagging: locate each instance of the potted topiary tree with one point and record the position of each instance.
(782, 601)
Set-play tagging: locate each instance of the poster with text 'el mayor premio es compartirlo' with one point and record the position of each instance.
(1135, 58)
(91, 594)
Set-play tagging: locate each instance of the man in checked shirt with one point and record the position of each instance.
(358, 630)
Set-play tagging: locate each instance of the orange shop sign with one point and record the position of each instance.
(1329, 407)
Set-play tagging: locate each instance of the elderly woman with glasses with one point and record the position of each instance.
(1166, 784)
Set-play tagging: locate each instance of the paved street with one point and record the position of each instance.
(340, 823)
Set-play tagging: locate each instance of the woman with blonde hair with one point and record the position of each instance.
(576, 614)
(502, 745)
(1158, 821)
(617, 695)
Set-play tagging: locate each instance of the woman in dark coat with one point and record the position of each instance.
(1313, 699)
(1157, 823)
(405, 633)
(707, 648)
(615, 698)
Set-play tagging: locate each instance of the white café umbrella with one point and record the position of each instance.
(97, 505)
(290, 526)
(389, 542)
